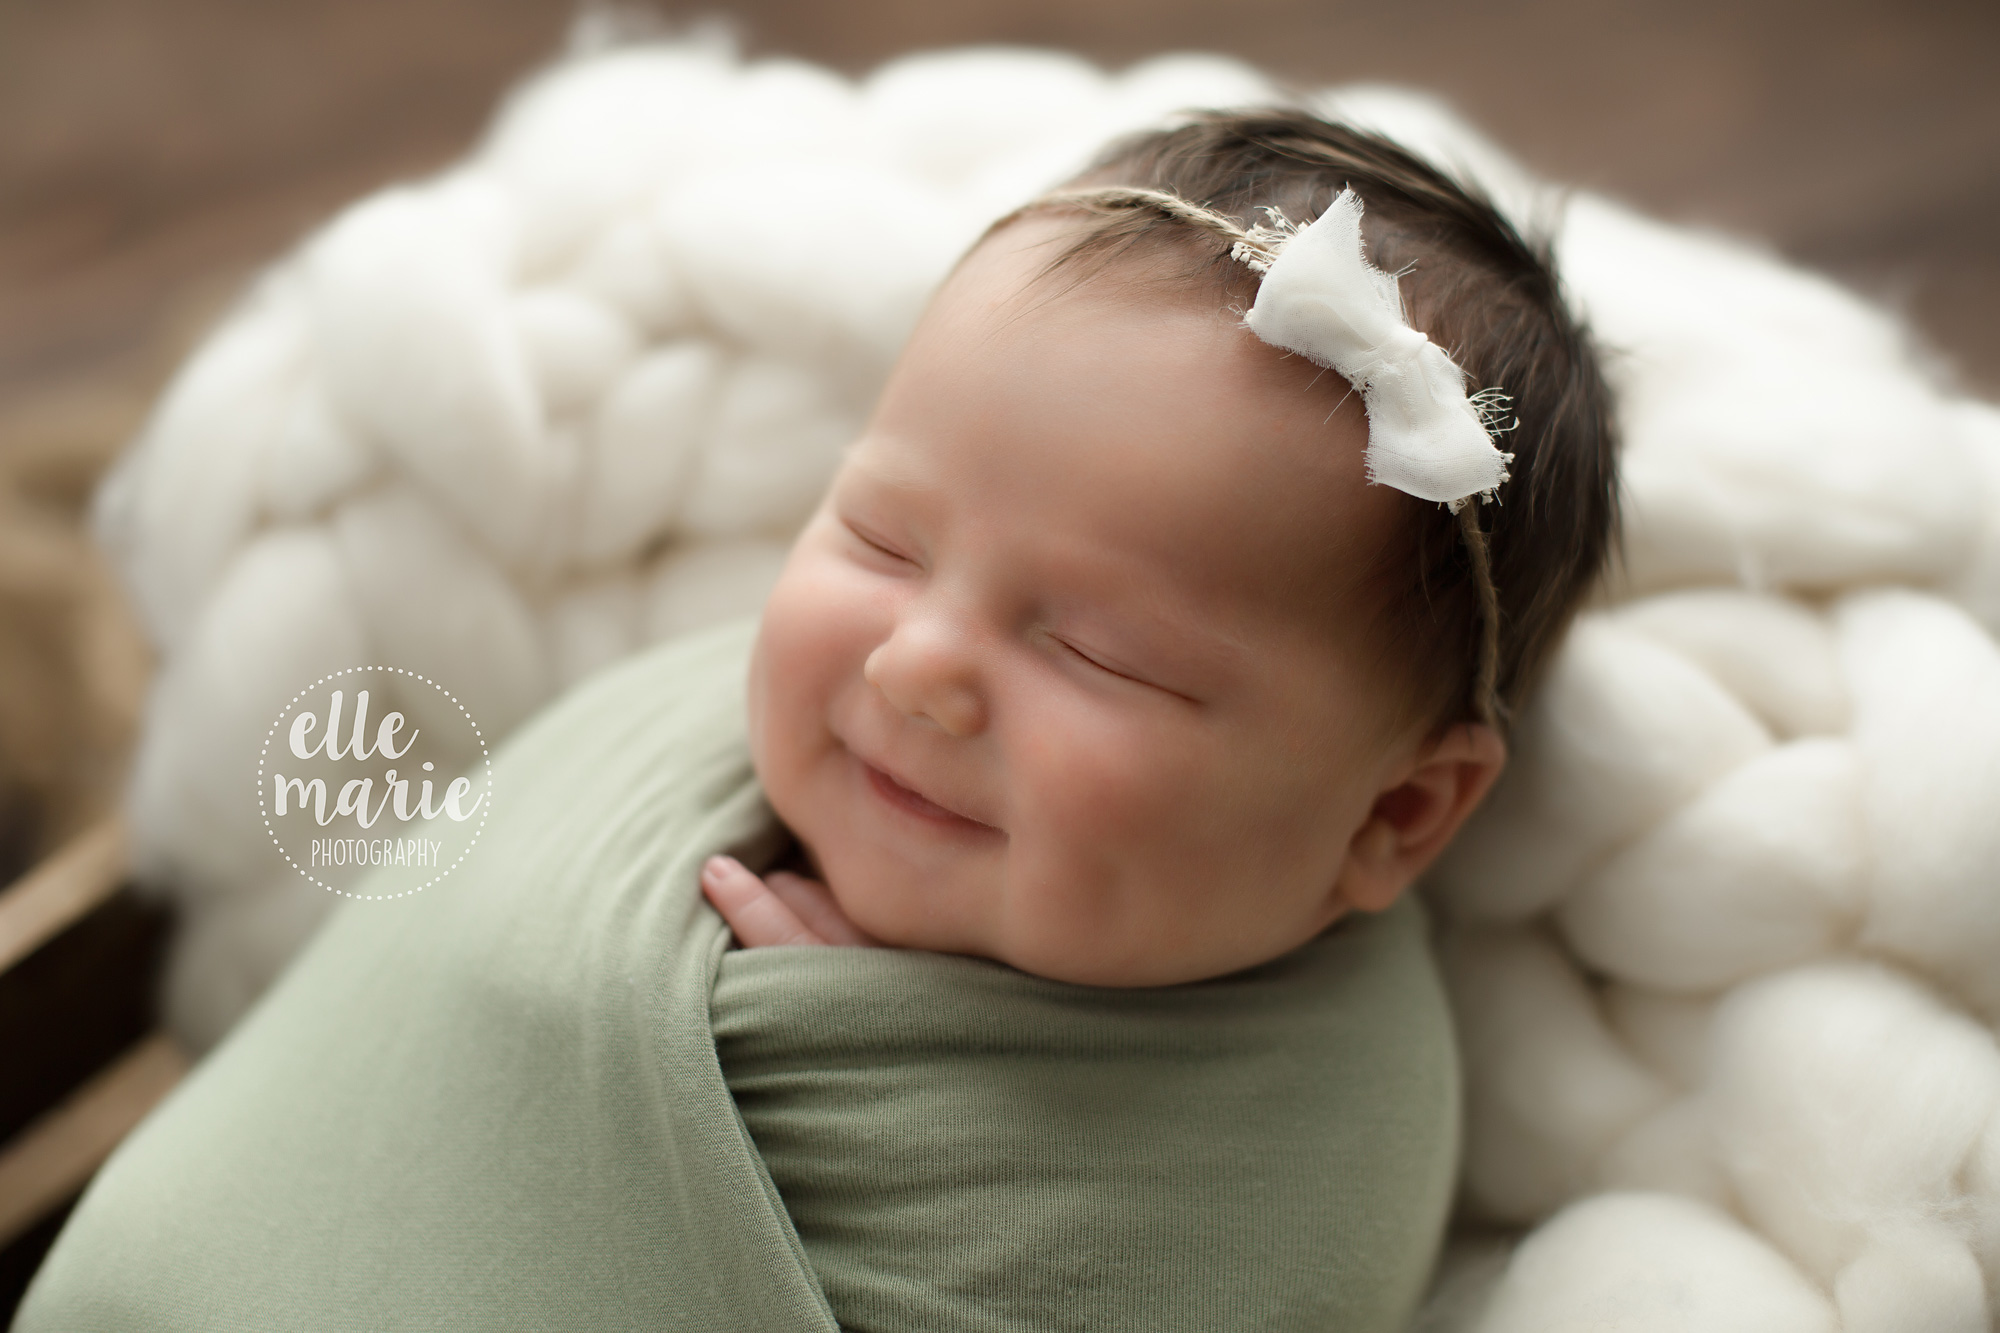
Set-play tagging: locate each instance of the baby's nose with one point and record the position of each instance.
(927, 669)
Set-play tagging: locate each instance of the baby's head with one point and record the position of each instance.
(1101, 657)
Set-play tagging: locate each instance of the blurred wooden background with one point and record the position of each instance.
(154, 152)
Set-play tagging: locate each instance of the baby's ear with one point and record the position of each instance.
(1411, 821)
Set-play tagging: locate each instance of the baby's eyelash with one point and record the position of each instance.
(875, 545)
(1100, 665)
(1123, 675)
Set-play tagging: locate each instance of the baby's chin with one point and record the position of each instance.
(907, 903)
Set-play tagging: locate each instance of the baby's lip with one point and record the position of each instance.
(913, 798)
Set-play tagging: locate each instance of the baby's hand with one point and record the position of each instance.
(781, 908)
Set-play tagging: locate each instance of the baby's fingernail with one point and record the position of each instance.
(714, 867)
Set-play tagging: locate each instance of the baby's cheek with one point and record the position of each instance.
(1106, 790)
(829, 611)
(793, 675)
(1132, 851)
(817, 624)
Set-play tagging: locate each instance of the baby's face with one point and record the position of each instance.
(1067, 670)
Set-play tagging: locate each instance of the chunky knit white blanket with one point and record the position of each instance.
(1726, 942)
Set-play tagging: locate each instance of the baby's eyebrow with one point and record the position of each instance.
(878, 467)
(873, 487)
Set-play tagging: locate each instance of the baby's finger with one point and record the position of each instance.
(813, 903)
(757, 915)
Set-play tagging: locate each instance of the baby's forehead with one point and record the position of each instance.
(1039, 256)
(1124, 419)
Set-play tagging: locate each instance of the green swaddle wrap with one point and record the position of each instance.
(512, 1101)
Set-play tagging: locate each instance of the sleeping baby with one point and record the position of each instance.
(1158, 631)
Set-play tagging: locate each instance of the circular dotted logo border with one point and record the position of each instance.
(264, 805)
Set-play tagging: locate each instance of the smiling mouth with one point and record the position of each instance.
(896, 794)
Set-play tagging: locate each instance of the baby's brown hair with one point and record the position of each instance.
(1478, 289)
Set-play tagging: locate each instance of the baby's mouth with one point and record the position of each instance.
(915, 803)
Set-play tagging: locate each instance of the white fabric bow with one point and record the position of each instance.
(1322, 299)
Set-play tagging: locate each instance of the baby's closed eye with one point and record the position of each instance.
(1098, 662)
(876, 544)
